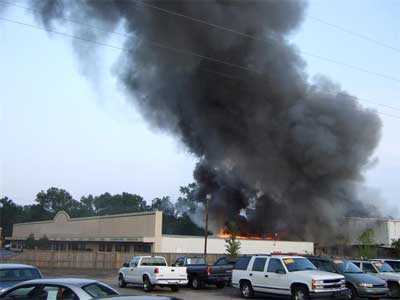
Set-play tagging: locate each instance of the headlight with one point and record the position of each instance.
(365, 285)
(317, 284)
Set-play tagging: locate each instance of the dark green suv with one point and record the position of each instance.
(360, 284)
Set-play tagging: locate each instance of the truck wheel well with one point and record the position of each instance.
(145, 276)
(298, 285)
(243, 281)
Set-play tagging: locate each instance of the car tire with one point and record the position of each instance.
(394, 290)
(174, 288)
(121, 281)
(246, 290)
(147, 286)
(300, 293)
(353, 292)
(196, 283)
(220, 285)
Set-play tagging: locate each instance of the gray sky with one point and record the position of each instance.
(60, 128)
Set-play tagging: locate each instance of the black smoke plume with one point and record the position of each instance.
(276, 152)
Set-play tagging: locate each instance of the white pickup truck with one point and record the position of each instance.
(149, 271)
(293, 276)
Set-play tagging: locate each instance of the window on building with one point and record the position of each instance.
(102, 247)
(145, 248)
(118, 247)
(259, 264)
(127, 248)
(109, 247)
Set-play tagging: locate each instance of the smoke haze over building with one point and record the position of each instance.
(278, 152)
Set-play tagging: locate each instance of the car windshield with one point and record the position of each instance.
(20, 274)
(153, 261)
(298, 264)
(97, 290)
(383, 267)
(394, 264)
(195, 261)
(344, 266)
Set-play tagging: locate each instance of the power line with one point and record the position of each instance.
(350, 32)
(140, 2)
(155, 44)
(260, 39)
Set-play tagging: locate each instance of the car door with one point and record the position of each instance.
(132, 270)
(257, 274)
(277, 277)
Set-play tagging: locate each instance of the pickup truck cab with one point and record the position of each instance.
(361, 285)
(293, 276)
(394, 263)
(383, 271)
(150, 271)
(200, 273)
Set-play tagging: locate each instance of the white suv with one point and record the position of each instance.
(295, 276)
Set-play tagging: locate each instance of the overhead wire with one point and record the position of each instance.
(157, 45)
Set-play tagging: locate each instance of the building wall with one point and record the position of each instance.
(192, 244)
(145, 227)
(394, 230)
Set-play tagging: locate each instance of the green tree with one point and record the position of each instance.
(54, 200)
(10, 213)
(107, 204)
(163, 204)
(232, 244)
(43, 243)
(367, 248)
(186, 203)
(396, 246)
(30, 242)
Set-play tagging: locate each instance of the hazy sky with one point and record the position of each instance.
(61, 128)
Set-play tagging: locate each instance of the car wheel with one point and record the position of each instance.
(353, 292)
(246, 289)
(147, 286)
(220, 285)
(300, 293)
(174, 288)
(196, 283)
(121, 281)
(394, 290)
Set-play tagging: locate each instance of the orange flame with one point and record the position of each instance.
(224, 234)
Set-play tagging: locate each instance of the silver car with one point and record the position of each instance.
(59, 289)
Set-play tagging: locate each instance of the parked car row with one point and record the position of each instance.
(299, 277)
(151, 271)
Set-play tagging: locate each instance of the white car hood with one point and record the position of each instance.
(318, 275)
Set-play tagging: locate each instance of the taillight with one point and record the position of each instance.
(209, 270)
(156, 270)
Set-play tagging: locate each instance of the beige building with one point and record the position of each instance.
(139, 232)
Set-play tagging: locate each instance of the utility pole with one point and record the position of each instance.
(208, 197)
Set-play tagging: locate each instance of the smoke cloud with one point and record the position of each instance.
(276, 152)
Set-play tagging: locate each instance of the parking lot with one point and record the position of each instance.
(184, 293)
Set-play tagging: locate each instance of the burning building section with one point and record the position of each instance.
(278, 153)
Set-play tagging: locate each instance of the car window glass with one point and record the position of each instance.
(97, 290)
(368, 268)
(325, 265)
(21, 274)
(221, 262)
(394, 264)
(274, 265)
(357, 264)
(242, 263)
(21, 293)
(153, 261)
(259, 264)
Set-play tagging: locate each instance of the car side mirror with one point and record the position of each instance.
(173, 265)
(280, 271)
(125, 265)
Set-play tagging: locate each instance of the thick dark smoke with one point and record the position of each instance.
(277, 153)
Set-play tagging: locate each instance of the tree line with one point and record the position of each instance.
(47, 203)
